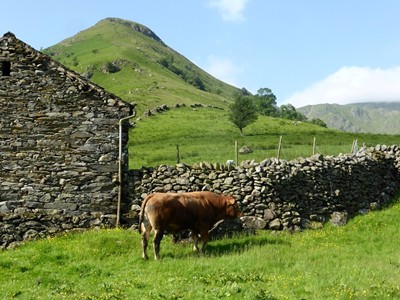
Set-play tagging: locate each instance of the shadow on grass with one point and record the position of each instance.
(239, 244)
(229, 245)
(236, 244)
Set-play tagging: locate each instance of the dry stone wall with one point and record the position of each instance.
(292, 195)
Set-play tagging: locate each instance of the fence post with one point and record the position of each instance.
(279, 147)
(354, 148)
(178, 156)
(236, 153)
(314, 145)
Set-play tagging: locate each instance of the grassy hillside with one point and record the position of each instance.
(205, 134)
(358, 117)
(358, 261)
(131, 61)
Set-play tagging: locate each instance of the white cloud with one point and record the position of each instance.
(231, 10)
(351, 85)
(223, 69)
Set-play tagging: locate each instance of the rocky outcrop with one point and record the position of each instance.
(135, 26)
(163, 108)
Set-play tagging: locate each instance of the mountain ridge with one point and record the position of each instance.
(366, 117)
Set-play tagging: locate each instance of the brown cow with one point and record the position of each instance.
(173, 212)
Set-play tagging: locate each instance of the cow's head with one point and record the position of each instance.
(232, 208)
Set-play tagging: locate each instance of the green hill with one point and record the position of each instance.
(131, 61)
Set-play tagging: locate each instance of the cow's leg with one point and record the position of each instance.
(158, 235)
(145, 240)
(195, 237)
(204, 240)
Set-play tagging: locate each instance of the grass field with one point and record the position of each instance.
(358, 261)
(205, 134)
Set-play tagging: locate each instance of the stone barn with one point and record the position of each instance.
(63, 147)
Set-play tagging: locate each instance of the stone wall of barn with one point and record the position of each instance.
(278, 194)
(59, 147)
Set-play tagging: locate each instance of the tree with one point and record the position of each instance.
(244, 92)
(266, 102)
(243, 111)
(319, 122)
(289, 112)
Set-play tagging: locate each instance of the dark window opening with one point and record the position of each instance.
(5, 68)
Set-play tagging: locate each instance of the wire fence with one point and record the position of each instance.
(239, 153)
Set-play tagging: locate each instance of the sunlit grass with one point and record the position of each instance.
(358, 261)
(205, 134)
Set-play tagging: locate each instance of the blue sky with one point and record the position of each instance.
(306, 52)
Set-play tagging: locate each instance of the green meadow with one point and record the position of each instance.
(205, 134)
(360, 260)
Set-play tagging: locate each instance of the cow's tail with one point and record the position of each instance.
(141, 214)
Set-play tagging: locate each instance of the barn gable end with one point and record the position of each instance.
(59, 146)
